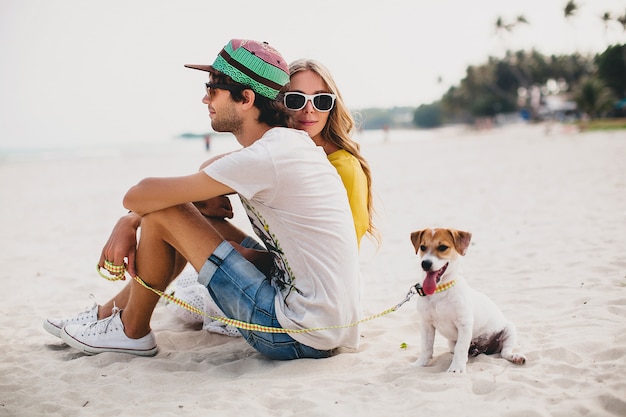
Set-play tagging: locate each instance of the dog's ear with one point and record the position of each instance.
(415, 239)
(461, 240)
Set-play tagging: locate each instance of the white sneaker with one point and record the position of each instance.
(54, 326)
(107, 335)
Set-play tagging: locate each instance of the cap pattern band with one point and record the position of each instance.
(248, 68)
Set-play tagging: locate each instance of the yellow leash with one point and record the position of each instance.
(120, 271)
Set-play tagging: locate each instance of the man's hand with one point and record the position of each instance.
(262, 259)
(122, 244)
(216, 207)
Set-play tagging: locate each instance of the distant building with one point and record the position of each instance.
(558, 107)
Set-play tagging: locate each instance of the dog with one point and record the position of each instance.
(471, 322)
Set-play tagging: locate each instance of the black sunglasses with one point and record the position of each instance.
(214, 86)
(323, 102)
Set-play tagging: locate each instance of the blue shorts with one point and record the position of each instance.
(244, 293)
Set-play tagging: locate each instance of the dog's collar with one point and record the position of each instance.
(440, 288)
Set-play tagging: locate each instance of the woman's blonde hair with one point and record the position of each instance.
(339, 127)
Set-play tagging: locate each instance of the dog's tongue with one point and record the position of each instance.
(430, 282)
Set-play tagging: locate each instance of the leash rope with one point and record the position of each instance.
(120, 275)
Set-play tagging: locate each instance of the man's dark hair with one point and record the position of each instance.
(271, 112)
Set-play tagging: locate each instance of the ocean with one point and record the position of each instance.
(169, 146)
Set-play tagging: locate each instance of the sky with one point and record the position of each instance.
(80, 72)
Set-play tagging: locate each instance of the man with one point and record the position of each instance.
(306, 273)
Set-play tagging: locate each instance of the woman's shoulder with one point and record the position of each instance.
(341, 154)
(344, 158)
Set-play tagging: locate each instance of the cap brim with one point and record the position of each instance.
(208, 68)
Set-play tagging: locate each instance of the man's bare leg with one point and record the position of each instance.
(223, 227)
(165, 233)
(121, 298)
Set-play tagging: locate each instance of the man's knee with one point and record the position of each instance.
(165, 216)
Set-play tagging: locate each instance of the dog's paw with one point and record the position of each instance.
(422, 361)
(518, 359)
(456, 368)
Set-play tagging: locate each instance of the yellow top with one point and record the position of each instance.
(353, 177)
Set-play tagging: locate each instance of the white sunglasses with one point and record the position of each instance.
(323, 102)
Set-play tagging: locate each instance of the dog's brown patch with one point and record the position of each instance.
(440, 241)
(487, 344)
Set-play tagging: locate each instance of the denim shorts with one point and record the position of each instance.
(244, 293)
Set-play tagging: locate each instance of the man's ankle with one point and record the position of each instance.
(133, 331)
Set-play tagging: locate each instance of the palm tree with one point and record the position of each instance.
(593, 97)
(521, 19)
(622, 20)
(503, 27)
(570, 9)
(606, 20)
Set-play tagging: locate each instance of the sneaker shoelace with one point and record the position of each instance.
(102, 326)
(87, 309)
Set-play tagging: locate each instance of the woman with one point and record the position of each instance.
(317, 107)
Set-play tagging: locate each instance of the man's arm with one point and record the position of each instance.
(152, 194)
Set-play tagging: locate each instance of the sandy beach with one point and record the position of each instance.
(548, 218)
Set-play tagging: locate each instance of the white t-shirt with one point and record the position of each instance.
(298, 207)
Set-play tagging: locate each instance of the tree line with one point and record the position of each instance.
(522, 81)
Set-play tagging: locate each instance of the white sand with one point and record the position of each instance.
(548, 217)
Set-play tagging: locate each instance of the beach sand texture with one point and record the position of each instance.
(548, 218)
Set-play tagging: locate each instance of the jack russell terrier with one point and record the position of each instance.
(470, 321)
